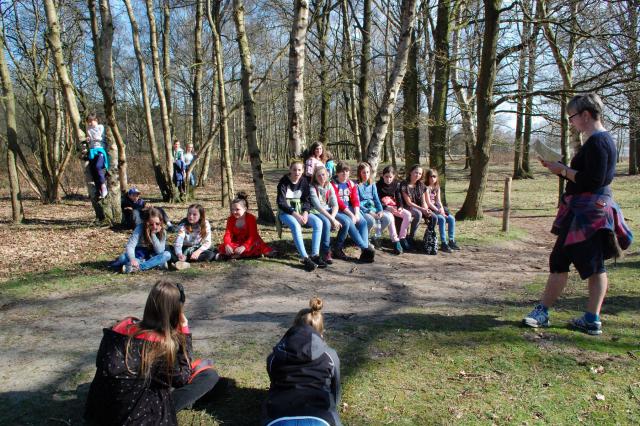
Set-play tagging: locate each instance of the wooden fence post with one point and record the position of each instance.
(506, 204)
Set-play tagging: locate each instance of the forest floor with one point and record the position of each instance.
(422, 339)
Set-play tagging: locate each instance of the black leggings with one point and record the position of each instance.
(187, 395)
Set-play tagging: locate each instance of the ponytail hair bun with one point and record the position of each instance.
(311, 316)
(241, 197)
(315, 304)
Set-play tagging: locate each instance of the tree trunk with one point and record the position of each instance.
(103, 59)
(163, 177)
(55, 44)
(633, 92)
(325, 94)
(348, 69)
(163, 100)
(17, 211)
(532, 47)
(295, 89)
(410, 125)
(407, 19)
(472, 206)
(363, 84)
(222, 97)
(438, 111)
(196, 96)
(518, 171)
(166, 60)
(265, 212)
(464, 105)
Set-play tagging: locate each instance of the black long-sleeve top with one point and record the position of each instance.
(289, 192)
(392, 190)
(595, 163)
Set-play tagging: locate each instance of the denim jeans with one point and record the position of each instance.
(325, 240)
(359, 232)
(451, 224)
(296, 232)
(145, 257)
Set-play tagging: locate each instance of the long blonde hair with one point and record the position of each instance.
(162, 315)
(311, 316)
(153, 212)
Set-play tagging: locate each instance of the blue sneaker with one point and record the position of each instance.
(593, 328)
(537, 318)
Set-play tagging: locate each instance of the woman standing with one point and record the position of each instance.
(589, 224)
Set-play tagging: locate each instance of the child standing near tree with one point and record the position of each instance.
(391, 199)
(442, 215)
(193, 243)
(98, 158)
(241, 238)
(189, 156)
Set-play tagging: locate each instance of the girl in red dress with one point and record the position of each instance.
(241, 238)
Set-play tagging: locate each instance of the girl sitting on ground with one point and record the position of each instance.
(442, 215)
(146, 246)
(350, 216)
(294, 204)
(391, 199)
(316, 157)
(193, 242)
(304, 373)
(241, 238)
(414, 196)
(325, 207)
(145, 368)
(377, 218)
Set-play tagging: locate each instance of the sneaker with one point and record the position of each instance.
(405, 244)
(397, 248)
(367, 255)
(537, 318)
(128, 269)
(338, 253)
(411, 243)
(453, 245)
(328, 259)
(319, 261)
(103, 191)
(273, 253)
(445, 248)
(309, 265)
(180, 265)
(593, 328)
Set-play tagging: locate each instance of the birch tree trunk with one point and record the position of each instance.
(222, 97)
(363, 84)
(55, 44)
(103, 59)
(472, 206)
(162, 99)
(518, 170)
(8, 99)
(295, 86)
(438, 112)
(407, 19)
(166, 60)
(163, 177)
(464, 105)
(265, 212)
